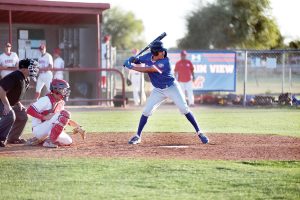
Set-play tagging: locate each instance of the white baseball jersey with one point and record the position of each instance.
(6, 60)
(45, 77)
(59, 64)
(42, 129)
(43, 105)
(137, 79)
(45, 60)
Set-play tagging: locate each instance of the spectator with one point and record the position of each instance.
(45, 75)
(58, 63)
(184, 72)
(8, 60)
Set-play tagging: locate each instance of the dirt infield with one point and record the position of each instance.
(169, 146)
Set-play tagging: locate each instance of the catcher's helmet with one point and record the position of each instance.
(60, 87)
(31, 65)
(157, 46)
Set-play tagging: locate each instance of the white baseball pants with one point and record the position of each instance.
(43, 130)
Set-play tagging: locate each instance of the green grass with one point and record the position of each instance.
(101, 178)
(211, 120)
(147, 179)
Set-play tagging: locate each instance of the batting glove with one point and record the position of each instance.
(127, 64)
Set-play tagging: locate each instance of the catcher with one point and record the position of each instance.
(50, 118)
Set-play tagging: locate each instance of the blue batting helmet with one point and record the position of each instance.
(157, 46)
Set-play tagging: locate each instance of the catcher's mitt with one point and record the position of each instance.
(81, 131)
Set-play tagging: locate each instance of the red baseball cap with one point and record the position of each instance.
(57, 51)
(183, 52)
(106, 38)
(7, 44)
(42, 47)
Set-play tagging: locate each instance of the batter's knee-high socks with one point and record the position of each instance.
(142, 123)
(191, 118)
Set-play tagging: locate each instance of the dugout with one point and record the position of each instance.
(75, 27)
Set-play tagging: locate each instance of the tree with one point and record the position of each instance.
(124, 29)
(232, 24)
(294, 44)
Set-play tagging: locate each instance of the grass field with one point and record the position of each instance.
(212, 120)
(102, 178)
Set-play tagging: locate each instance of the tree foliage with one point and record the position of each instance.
(232, 24)
(125, 30)
(294, 44)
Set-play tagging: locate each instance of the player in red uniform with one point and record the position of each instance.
(184, 72)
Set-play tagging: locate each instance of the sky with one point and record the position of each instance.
(168, 16)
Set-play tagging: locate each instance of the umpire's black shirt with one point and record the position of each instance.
(15, 84)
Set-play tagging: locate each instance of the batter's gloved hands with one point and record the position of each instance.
(127, 64)
(134, 60)
(81, 131)
(131, 59)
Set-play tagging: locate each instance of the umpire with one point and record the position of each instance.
(13, 116)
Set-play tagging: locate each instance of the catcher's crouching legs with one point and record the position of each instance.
(64, 139)
(57, 135)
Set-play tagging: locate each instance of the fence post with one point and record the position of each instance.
(283, 67)
(290, 78)
(245, 78)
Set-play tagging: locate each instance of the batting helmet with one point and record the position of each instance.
(156, 47)
(31, 65)
(60, 87)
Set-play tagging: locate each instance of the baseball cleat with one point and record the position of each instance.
(2, 143)
(135, 140)
(204, 139)
(49, 144)
(17, 141)
(33, 141)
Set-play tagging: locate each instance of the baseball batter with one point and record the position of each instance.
(49, 117)
(158, 67)
(45, 76)
(9, 60)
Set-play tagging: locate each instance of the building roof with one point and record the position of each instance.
(50, 12)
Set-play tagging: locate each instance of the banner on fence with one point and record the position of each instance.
(214, 71)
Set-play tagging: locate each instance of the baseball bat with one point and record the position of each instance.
(149, 45)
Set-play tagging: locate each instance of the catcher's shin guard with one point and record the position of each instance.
(58, 127)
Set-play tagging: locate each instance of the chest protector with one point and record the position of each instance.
(55, 106)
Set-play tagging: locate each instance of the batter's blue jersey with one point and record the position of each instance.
(159, 80)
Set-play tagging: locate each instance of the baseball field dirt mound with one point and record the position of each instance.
(169, 146)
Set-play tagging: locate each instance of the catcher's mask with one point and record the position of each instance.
(60, 87)
(157, 46)
(32, 66)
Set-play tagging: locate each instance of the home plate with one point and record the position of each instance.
(175, 146)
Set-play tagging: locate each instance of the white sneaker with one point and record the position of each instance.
(49, 144)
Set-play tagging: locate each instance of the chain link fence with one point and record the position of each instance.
(265, 75)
